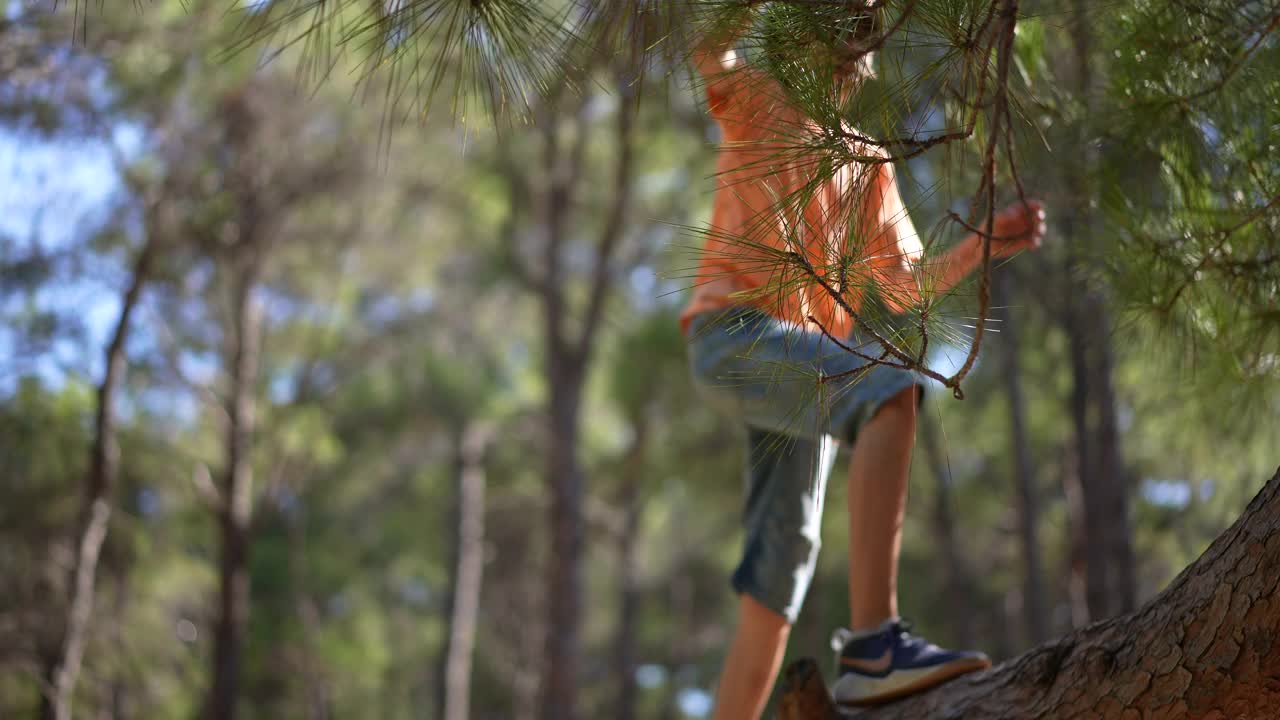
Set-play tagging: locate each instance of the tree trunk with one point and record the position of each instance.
(1076, 538)
(959, 588)
(95, 513)
(1091, 485)
(468, 569)
(629, 571)
(564, 583)
(1111, 473)
(237, 497)
(568, 358)
(1037, 624)
(1204, 648)
(1108, 572)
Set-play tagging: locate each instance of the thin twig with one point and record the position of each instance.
(1009, 14)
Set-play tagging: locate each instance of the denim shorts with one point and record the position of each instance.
(768, 375)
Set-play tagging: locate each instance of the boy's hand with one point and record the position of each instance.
(1018, 227)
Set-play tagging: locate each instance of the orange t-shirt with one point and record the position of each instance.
(774, 196)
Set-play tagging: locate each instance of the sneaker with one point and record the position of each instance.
(876, 666)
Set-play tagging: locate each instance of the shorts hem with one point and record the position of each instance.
(743, 585)
(886, 389)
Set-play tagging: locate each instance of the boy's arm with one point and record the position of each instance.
(1018, 227)
(903, 276)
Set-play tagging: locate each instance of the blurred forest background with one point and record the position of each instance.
(380, 412)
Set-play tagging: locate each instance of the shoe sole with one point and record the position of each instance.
(927, 682)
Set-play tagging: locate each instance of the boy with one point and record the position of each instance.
(751, 319)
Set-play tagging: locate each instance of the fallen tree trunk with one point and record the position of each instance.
(1206, 647)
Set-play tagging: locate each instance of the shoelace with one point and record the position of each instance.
(900, 629)
(903, 630)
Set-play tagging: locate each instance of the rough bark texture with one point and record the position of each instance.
(1207, 647)
(104, 460)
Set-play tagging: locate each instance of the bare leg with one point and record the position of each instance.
(877, 501)
(754, 658)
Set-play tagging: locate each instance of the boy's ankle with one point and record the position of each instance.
(872, 626)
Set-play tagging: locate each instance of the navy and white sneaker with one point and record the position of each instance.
(876, 666)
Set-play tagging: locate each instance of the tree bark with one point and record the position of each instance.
(237, 496)
(1206, 647)
(564, 387)
(95, 514)
(565, 584)
(468, 570)
(1033, 605)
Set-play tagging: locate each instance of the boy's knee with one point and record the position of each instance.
(760, 620)
(774, 575)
